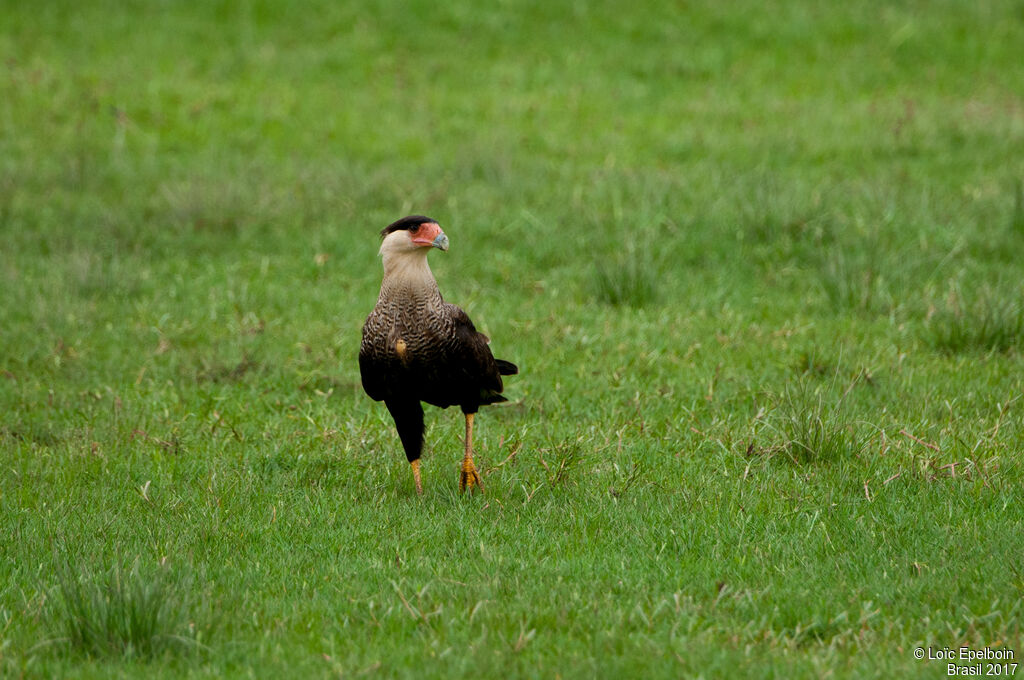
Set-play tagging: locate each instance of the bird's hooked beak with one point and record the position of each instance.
(430, 234)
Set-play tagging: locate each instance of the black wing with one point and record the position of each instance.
(372, 367)
(478, 370)
(370, 374)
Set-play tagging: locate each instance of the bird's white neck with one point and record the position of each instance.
(407, 273)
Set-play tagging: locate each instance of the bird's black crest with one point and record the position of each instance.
(406, 223)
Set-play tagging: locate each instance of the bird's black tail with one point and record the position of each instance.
(506, 367)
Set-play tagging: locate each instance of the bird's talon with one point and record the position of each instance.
(470, 478)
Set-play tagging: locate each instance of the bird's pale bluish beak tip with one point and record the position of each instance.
(441, 242)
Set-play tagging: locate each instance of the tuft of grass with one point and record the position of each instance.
(119, 613)
(38, 434)
(818, 430)
(1017, 218)
(850, 283)
(567, 456)
(990, 323)
(626, 282)
(769, 216)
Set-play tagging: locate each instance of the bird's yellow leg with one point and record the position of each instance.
(416, 475)
(469, 477)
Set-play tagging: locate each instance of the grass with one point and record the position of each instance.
(625, 281)
(819, 432)
(758, 266)
(123, 614)
(1017, 219)
(987, 321)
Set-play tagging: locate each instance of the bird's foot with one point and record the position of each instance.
(469, 477)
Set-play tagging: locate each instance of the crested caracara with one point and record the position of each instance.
(417, 347)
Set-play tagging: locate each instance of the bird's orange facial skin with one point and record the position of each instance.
(426, 233)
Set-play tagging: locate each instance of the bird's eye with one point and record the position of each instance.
(414, 228)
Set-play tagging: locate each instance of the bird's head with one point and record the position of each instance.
(412, 234)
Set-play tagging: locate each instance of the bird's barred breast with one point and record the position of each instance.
(414, 332)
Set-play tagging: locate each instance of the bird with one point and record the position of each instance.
(418, 348)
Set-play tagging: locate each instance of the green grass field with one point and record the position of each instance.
(761, 267)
